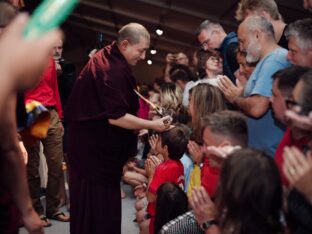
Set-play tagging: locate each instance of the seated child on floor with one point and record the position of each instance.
(171, 144)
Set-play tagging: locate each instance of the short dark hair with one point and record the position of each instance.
(288, 77)
(251, 193)
(306, 97)
(176, 139)
(144, 90)
(159, 81)
(230, 124)
(205, 55)
(181, 72)
(170, 203)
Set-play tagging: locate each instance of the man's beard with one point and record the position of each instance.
(253, 48)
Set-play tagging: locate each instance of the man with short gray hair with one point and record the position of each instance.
(101, 115)
(211, 35)
(299, 36)
(267, 9)
(256, 37)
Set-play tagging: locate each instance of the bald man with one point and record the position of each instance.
(101, 134)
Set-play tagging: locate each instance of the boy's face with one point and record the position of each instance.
(159, 148)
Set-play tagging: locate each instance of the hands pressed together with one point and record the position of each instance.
(195, 152)
(230, 91)
(203, 207)
(298, 169)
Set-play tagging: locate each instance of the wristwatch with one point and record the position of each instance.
(205, 226)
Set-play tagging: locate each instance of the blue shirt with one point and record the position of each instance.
(227, 49)
(265, 133)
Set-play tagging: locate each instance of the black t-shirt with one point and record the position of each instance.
(283, 42)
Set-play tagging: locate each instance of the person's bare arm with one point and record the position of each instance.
(254, 106)
(13, 172)
(139, 170)
(18, 68)
(129, 121)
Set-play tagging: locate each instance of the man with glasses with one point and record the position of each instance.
(284, 82)
(211, 35)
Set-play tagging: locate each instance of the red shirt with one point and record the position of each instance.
(209, 178)
(143, 110)
(46, 92)
(168, 171)
(287, 140)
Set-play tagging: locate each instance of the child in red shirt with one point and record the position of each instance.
(172, 144)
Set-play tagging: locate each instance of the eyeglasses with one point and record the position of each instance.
(290, 103)
(215, 59)
(205, 43)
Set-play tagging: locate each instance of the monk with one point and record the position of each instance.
(101, 135)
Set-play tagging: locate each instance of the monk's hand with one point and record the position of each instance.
(162, 124)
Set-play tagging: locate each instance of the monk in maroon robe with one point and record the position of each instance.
(101, 115)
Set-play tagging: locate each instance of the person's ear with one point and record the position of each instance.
(257, 34)
(166, 149)
(124, 44)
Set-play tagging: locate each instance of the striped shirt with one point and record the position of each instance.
(183, 224)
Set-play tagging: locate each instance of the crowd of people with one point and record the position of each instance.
(222, 144)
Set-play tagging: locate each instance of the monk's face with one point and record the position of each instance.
(133, 53)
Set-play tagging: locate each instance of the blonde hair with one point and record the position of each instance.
(269, 6)
(206, 100)
(170, 96)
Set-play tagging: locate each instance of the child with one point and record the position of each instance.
(171, 202)
(171, 144)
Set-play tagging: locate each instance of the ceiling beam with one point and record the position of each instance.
(188, 12)
(133, 15)
(112, 35)
(111, 25)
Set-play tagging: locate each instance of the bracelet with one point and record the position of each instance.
(205, 226)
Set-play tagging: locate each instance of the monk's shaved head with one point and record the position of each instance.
(132, 32)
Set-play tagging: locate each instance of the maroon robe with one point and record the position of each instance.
(97, 150)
